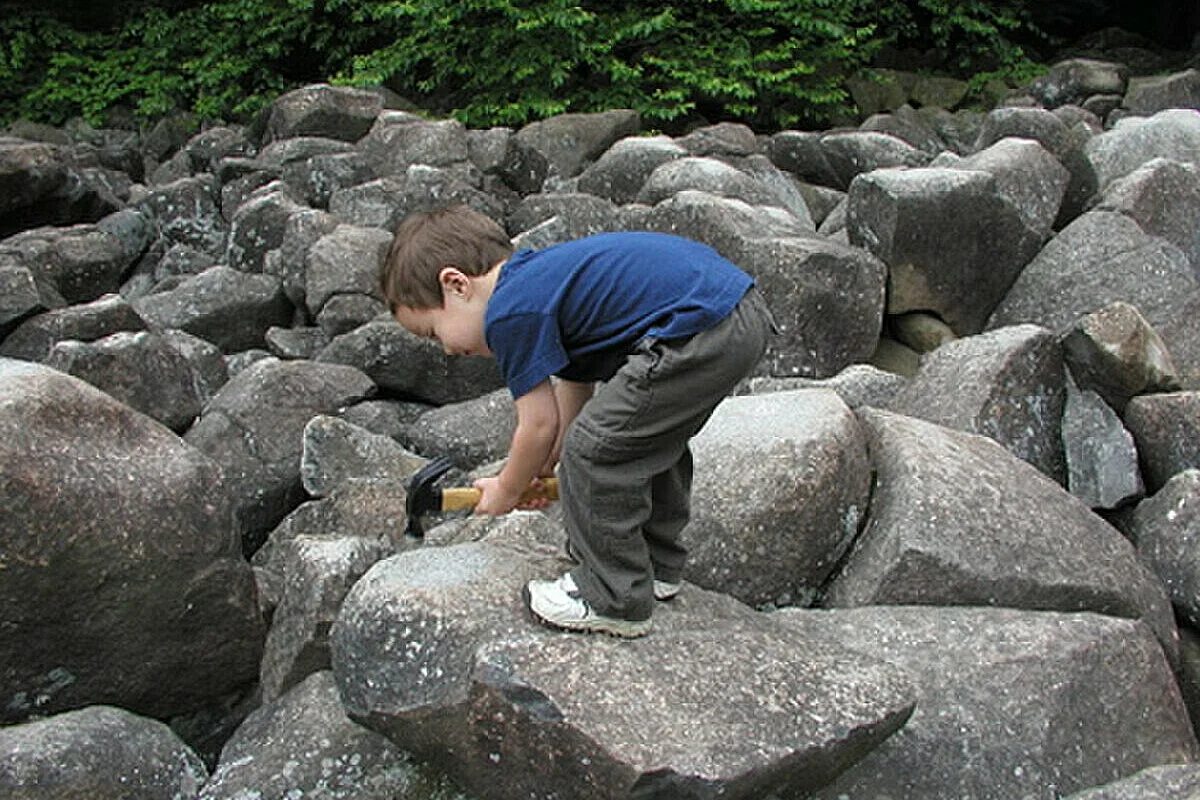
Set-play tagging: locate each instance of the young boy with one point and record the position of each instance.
(664, 326)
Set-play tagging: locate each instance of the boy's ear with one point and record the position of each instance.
(453, 281)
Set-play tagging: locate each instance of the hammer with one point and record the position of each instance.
(423, 497)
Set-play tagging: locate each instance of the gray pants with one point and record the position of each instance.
(626, 470)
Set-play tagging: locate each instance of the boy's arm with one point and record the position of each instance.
(570, 397)
(537, 429)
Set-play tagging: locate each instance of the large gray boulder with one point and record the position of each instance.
(408, 365)
(337, 453)
(254, 427)
(468, 680)
(1166, 428)
(343, 262)
(304, 745)
(1166, 782)
(230, 308)
(952, 242)
(957, 520)
(185, 211)
(800, 153)
(1073, 81)
(569, 142)
(1007, 385)
(123, 582)
(34, 338)
(620, 172)
(384, 202)
(1028, 175)
(1100, 258)
(470, 433)
(1173, 134)
(30, 172)
(1037, 124)
(1102, 459)
(81, 263)
(774, 507)
(1154, 93)
(852, 153)
(1011, 703)
(257, 227)
(336, 112)
(97, 753)
(1166, 530)
(1163, 198)
(723, 223)
(397, 143)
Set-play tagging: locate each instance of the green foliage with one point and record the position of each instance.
(771, 63)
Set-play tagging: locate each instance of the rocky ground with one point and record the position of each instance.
(944, 541)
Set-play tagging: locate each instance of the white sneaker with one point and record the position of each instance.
(663, 590)
(558, 603)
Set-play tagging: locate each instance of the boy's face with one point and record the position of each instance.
(457, 325)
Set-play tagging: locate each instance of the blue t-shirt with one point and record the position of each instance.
(577, 309)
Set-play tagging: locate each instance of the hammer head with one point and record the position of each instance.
(423, 496)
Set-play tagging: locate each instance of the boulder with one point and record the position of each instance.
(515, 711)
(123, 581)
(1163, 198)
(1104, 257)
(857, 385)
(800, 153)
(33, 339)
(582, 213)
(317, 572)
(22, 294)
(775, 507)
(711, 176)
(298, 342)
(1006, 384)
(470, 432)
(1173, 134)
(1165, 529)
(186, 212)
(399, 362)
(721, 139)
(143, 370)
(99, 752)
(1038, 124)
(258, 226)
(81, 263)
(395, 145)
(1166, 782)
(851, 153)
(568, 142)
(1028, 176)
(905, 124)
(1102, 459)
(304, 745)
(1152, 94)
(621, 171)
(230, 308)
(1073, 81)
(302, 230)
(1166, 428)
(336, 453)
(1011, 703)
(384, 202)
(950, 524)
(345, 261)
(953, 244)
(30, 173)
(317, 178)
(335, 112)
(254, 427)
(1116, 353)
(720, 222)
(827, 300)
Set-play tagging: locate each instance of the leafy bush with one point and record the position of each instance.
(772, 63)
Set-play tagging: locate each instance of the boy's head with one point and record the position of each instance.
(428, 242)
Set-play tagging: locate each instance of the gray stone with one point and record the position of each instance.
(1115, 352)
(1133, 141)
(229, 308)
(399, 362)
(1165, 782)
(1166, 428)
(181, 260)
(33, 339)
(343, 313)
(385, 417)
(720, 222)
(22, 295)
(706, 175)
(488, 149)
(1101, 258)
(118, 537)
(142, 370)
(1075, 80)
(337, 452)
(383, 203)
(775, 507)
(257, 227)
(254, 428)
(880, 89)
(209, 370)
(939, 91)
(476, 686)
(186, 212)
(394, 146)
(316, 575)
(800, 153)
(336, 112)
(304, 745)
(30, 173)
(958, 129)
(821, 200)
(952, 523)
(723, 138)
(904, 123)
(1166, 529)
(1027, 175)
(620, 172)
(1151, 94)
(81, 263)
(299, 342)
(302, 230)
(568, 142)
(1163, 198)
(953, 244)
(851, 153)
(1011, 703)
(277, 155)
(100, 752)
(344, 261)
(1007, 385)
(857, 385)
(322, 175)
(1102, 459)
(1037, 124)
(470, 432)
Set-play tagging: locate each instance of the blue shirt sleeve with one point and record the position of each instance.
(528, 349)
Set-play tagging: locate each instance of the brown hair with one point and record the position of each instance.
(426, 242)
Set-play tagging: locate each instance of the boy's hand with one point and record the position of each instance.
(496, 499)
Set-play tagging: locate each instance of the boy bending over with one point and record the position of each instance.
(664, 325)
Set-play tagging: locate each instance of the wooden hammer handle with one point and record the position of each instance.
(456, 498)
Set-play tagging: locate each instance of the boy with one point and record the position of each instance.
(664, 325)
